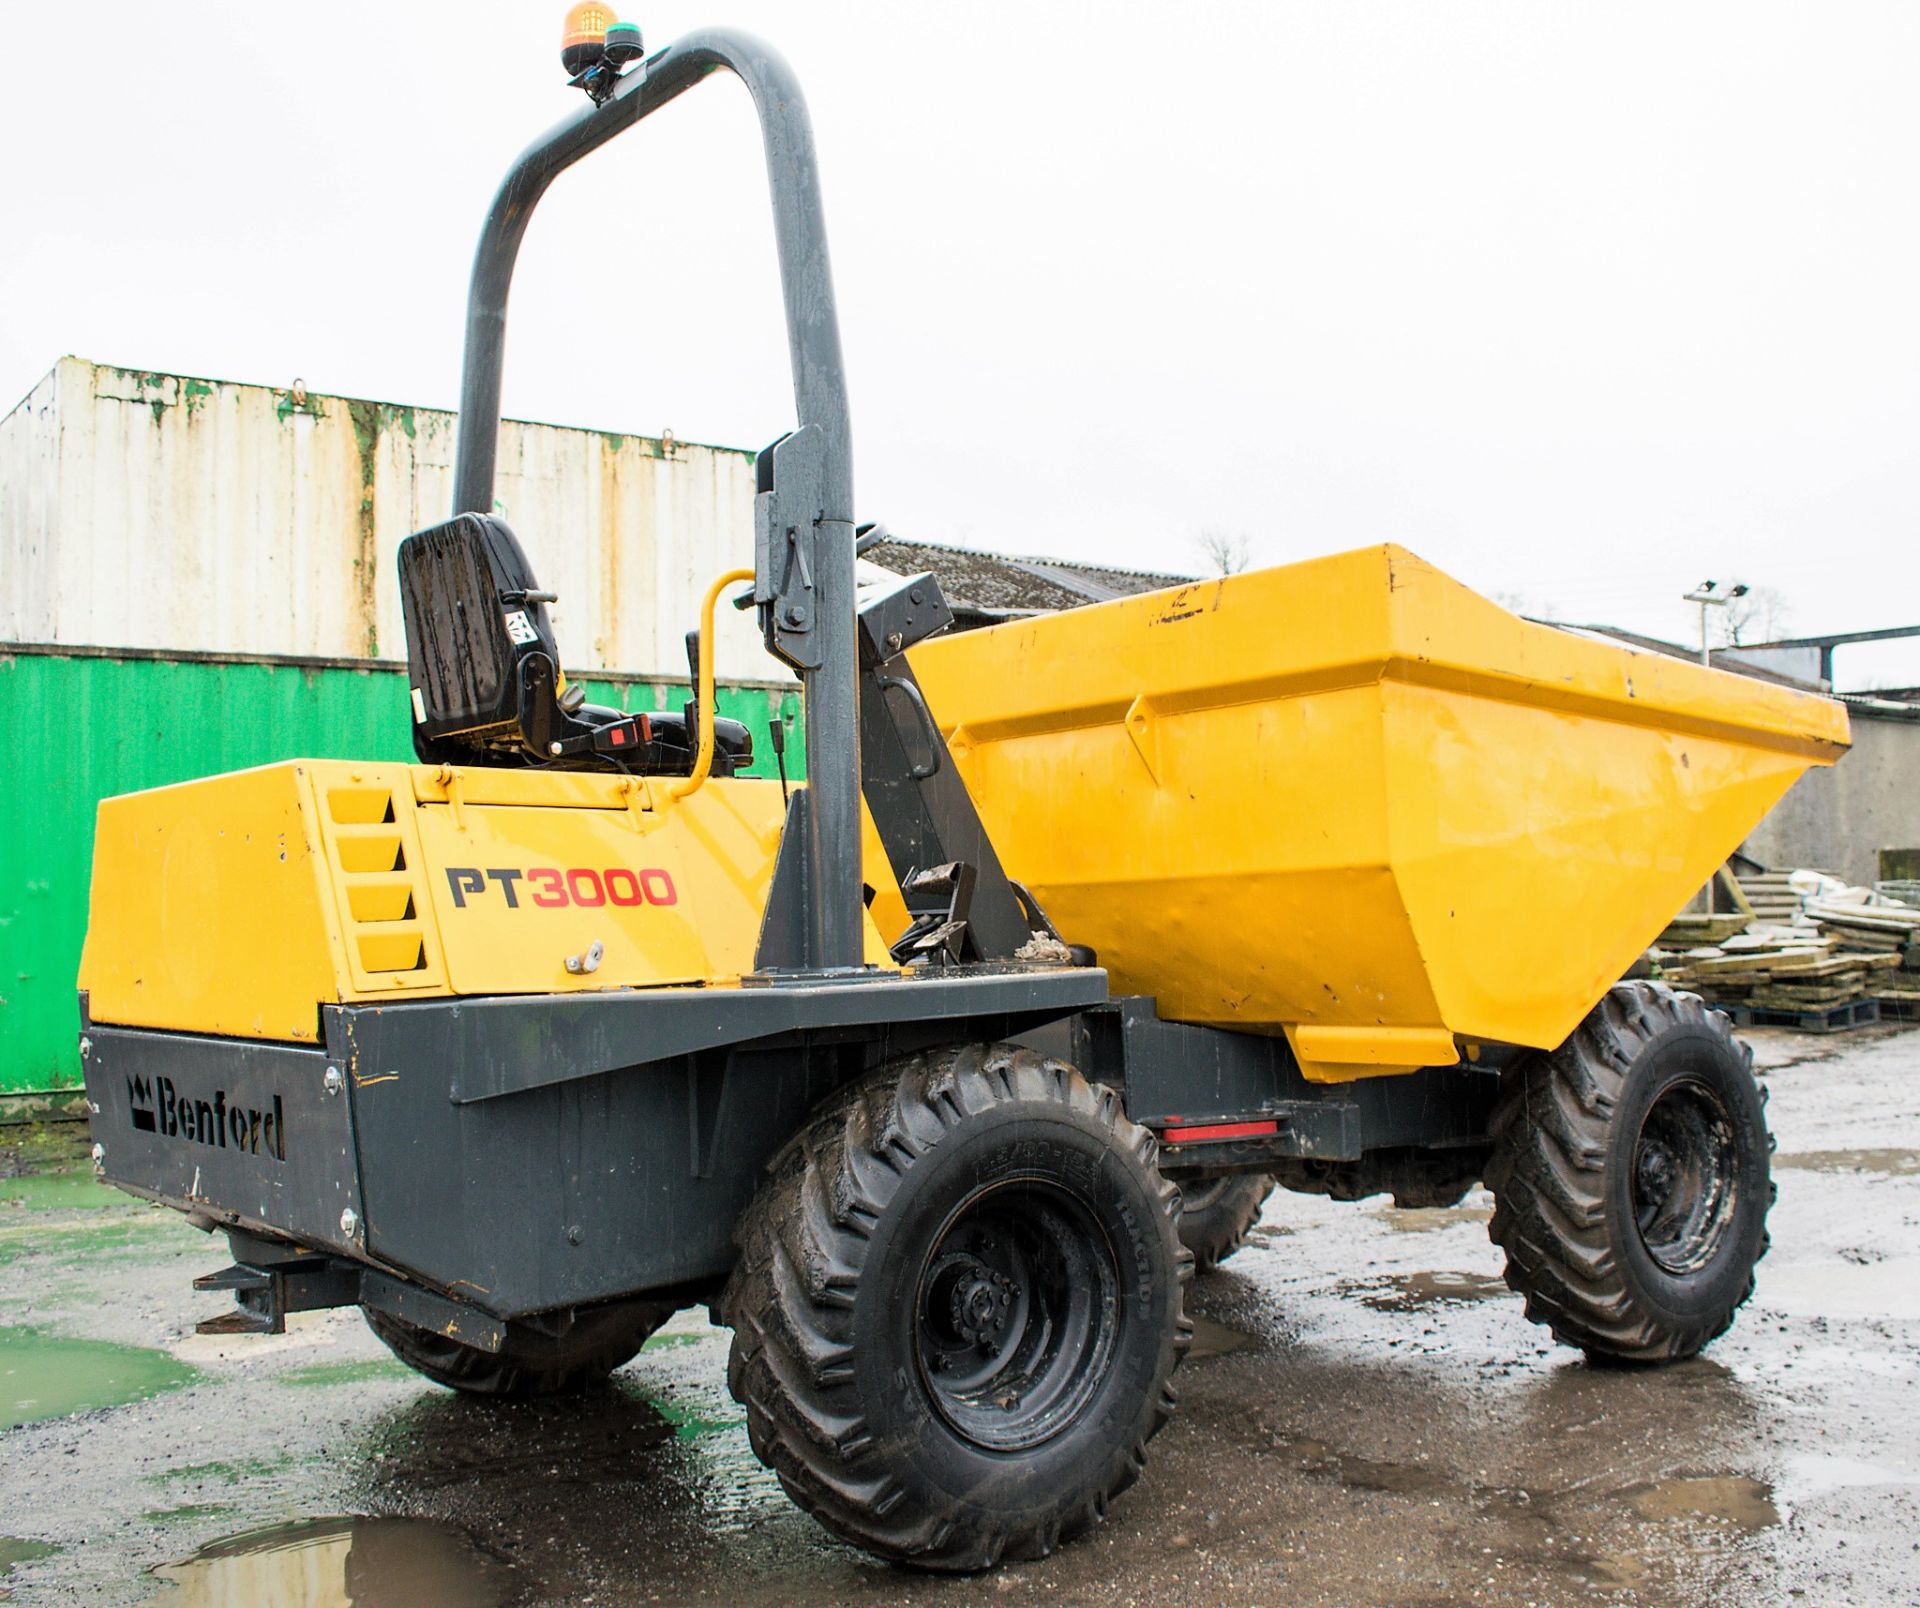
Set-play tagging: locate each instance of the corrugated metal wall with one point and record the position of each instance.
(81, 727)
(161, 511)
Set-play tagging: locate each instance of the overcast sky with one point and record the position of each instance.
(1584, 303)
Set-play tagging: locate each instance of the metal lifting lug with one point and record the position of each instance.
(787, 528)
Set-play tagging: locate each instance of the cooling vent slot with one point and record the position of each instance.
(381, 895)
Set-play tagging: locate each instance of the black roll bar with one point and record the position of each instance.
(819, 533)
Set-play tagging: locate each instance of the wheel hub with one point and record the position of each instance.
(1017, 1315)
(979, 1302)
(1685, 1178)
(1656, 1172)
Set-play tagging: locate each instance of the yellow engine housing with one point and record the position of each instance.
(242, 904)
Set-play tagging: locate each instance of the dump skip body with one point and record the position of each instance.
(1355, 802)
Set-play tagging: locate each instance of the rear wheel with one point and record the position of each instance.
(958, 1306)
(1631, 1178)
(1217, 1214)
(528, 1363)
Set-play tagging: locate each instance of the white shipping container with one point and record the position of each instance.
(160, 511)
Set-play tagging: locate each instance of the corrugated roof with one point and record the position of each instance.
(995, 584)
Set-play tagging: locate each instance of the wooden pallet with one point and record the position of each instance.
(1834, 1019)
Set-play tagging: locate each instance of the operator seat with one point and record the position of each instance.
(484, 669)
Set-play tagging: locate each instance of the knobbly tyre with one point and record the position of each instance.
(1324, 876)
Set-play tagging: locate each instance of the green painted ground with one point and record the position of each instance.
(60, 1192)
(48, 1376)
(229, 1471)
(670, 1342)
(348, 1373)
(13, 1550)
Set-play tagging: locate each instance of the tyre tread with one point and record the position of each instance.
(790, 1299)
(1551, 1131)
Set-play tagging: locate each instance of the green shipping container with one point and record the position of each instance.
(84, 724)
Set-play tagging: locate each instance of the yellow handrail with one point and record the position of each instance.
(703, 694)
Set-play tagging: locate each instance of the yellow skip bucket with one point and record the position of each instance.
(1353, 801)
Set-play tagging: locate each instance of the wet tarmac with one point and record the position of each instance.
(1366, 1419)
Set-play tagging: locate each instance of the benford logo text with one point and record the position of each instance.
(157, 1107)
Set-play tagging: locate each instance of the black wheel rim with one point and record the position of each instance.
(1016, 1315)
(1685, 1184)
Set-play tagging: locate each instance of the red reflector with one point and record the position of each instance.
(646, 729)
(1219, 1130)
(619, 738)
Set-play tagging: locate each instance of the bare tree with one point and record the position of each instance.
(1225, 552)
(1761, 615)
(1525, 605)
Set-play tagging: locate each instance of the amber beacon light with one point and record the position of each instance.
(596, 47)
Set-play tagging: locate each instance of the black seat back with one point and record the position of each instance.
(476, 627)
(485, 669)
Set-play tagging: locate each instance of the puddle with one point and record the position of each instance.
(437, 1440)
(682, 1451)
(1367, 1473)
(1730, 1498)
(45, 1376)
(1403, 1479)
(1863, 1284)
(1212, 1339)
(14, 1550)
(1431, 1219)
(1409, 1292)
(1891, 1163)
(1813, 1476)
(60, 1192)
(339, 1563)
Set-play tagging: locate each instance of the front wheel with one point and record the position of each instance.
(1631, 1175)
(958, 1306)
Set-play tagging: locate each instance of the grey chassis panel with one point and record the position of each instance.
(1173, 1073)
(507, 1045)
(296, 1170)
(619, 1163)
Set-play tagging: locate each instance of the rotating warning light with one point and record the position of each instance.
(596, 47)
(623, 43)
(583, 37)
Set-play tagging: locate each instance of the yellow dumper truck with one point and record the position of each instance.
(934, 1077)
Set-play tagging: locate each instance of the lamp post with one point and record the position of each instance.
(1708, 597)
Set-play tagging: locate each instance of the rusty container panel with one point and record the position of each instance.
(161, 511)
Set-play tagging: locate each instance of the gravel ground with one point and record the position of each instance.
(1367, 1419)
